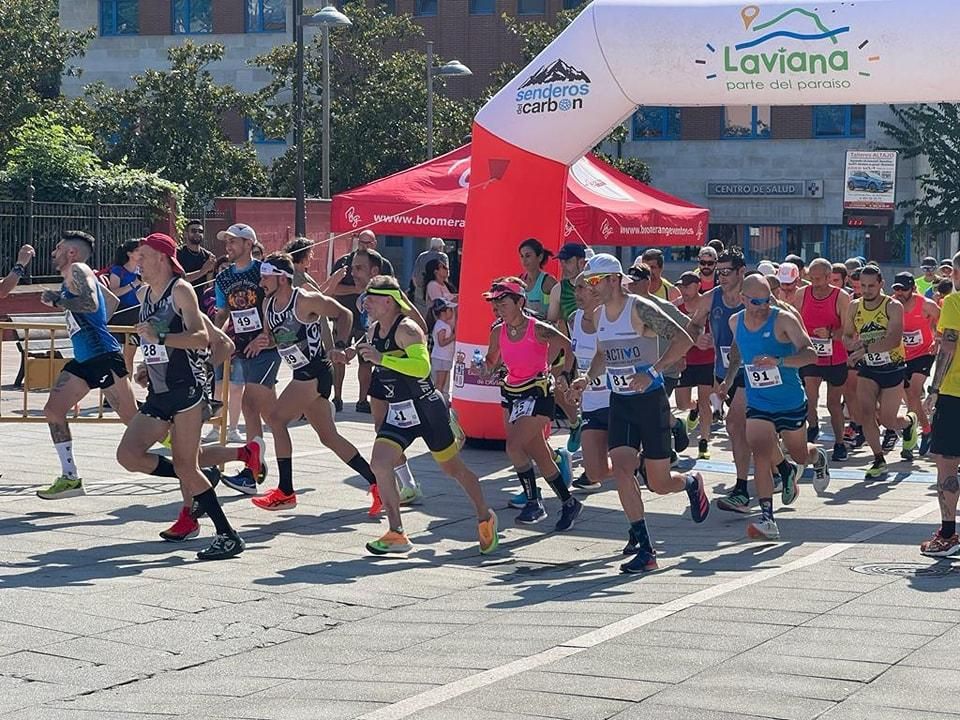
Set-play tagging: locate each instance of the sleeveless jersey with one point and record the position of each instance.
(535, 301)
(663, 292)
(168, 368)
(625, 352)
(720, 316)
(88, 331)
(525, 358)
(873, 325)
(776, 389)
(597, 395)
(823, 314)
(696, 356)
(395, 386)
(918, 335)
(568, 301)
(298, 342)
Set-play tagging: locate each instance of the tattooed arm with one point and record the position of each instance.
(81, 283)
(945, 357)
(646, 316)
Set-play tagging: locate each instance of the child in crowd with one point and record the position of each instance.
(444, 330)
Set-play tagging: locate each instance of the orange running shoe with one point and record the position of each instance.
(392, 542)
(489, 540)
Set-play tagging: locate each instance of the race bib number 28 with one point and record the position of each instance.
(154, 354)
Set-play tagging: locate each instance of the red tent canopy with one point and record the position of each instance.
(604, 206)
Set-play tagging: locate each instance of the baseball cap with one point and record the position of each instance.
(603, 264)
(788, 273)
(640, 271)
(688, 278)
(442, 304)
(766, 268)
(929, 262)
(166, 245)
(903, 281)
(238, 230)
(503, 288)
(572, 250)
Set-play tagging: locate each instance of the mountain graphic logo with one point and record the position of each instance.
(558, 71)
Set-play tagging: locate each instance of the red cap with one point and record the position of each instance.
(165, 244)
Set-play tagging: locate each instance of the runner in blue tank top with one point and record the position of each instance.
(773, 346)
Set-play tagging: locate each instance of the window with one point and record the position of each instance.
(483, 7)
(192, 16)
(656, 123)
(746, 122)
(531, 7)
(119, 17)
(257, 136)
(424, 8)
(838, 121)
(266, 16)
(571, 4)
(390, 6)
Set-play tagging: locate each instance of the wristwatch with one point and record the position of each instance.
(340, 345)
(19, 270)
(161, 338)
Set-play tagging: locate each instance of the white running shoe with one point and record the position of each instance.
(763, 530)
(821, 472)
(234, 436)
(212, 436)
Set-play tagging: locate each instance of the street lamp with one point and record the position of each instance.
(327, 17)
(454, 68)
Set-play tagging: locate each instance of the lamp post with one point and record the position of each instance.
(327, 17)
(454, 68)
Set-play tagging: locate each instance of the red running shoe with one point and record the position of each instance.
(276, 499)
(252, 455)
(376, 506)
(184, 528)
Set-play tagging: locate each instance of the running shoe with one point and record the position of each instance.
(212, 435)
(519, 501)
(252, 455)
(925, 443)
(821, 472)
(63, 487)
(889, 440)
(532, 513)
(224, 546)
(573, 442)
(763, 530)
(633, 546)
(703, 450)
(569, 513)
(376, 505)
(735, 501)
(906, 455)
(234, 436)
(681, 441)
(363, 407)
(184, 528)
(699, 502)
(641, 562)
(911, 433)
(813, 432)
(859, 439)
(839, 452)
(410, 495)
(584, 484)
(276, 499)
(565, 465)
(338, 404)
(791, 488)
(878, 468)
(693, 419)
(849, 433)
(392, 542)
(777, 483)
(242, 482)
(939, 546)
(487, 530)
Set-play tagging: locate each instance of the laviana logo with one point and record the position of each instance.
(557, 87)
(796, 49)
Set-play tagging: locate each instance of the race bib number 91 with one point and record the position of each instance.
(763, 377)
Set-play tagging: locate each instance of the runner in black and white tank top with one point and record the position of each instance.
(299, 342)
(168, 368)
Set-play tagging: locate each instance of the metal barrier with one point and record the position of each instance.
(58, 331)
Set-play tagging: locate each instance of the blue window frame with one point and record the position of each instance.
(192, 17)
(257, 136)
(425, 8)
(119, 17)
(746, 122)
(483, 7)
(839, 121)
(266, 16)
(656, 123)
(531, 7)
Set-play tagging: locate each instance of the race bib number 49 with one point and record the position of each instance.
(763, 377)
(246, 320)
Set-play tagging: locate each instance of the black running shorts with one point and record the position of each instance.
(318, 369)
(783, 420)
(427, 418)
(944, 438)
(641, 422)
(597, 420)
(834, 375)
(99, 370)
(166, 406)
(885, 376)
(694, 375)
(918, 366)
(529, 399)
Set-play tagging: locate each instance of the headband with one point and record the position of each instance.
(393, 293)
(271, 270)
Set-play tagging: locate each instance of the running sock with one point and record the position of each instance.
(766, 509)
(164, 468)
(559, 487)
(529, 483)
(638, 530)
(67, 466)
(948, 528)
(405, 476)
(741, 487)
(362, 468)
(211, 506)
(784, 468)
(285, 466)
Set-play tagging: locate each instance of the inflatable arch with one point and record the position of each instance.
(619, 54)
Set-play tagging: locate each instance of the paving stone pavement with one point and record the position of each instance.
(99, 619)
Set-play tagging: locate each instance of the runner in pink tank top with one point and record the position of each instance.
(525, 358)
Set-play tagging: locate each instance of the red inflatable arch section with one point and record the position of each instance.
(619, 54)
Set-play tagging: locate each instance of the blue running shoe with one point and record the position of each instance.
(681, 440)
(642, 562)
(573, 442)
(924, 443)
(532, 513)
(568, 514)
(519, 501)
(243, 482)
(565, 465)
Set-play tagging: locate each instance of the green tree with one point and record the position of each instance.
(171, 122)
(933, 132)
(34, 53)
(378, 102)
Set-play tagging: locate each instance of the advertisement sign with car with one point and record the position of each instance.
(870, 180)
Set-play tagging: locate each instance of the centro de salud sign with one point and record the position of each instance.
(765, 189)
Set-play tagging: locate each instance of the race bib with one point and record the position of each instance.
(823, 346)
(725, 355)
(522, 408)
(913, 339)
(72, 326)
(154, 354)
(763, 377)
(876, 359)
(403, 415)
(597, 384)
(293, 356)
(618, 379)
(245, 321)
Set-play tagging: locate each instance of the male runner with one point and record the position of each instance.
(627, 353)
(873, 334)
(706, 268)
(97, 360)
(19, 270)
(773, 345)
(699, 370)
(659, 285)
(928, 277)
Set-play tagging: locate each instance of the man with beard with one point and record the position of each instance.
(707, 264)
(196, 261)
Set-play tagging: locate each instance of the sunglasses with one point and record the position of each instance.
(595, 280)
(707, 263)
(724, 272)
(757, 301)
